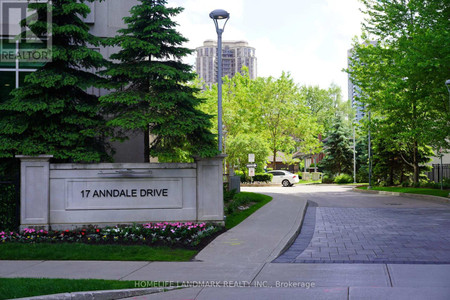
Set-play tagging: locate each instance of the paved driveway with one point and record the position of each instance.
(341, 226)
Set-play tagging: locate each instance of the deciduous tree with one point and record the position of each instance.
(402, 74)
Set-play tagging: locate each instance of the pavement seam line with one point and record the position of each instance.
(198, 294)
(257, 273)
(37, 263)
(389, 275)
(134, 271)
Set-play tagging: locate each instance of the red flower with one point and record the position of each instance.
(97, 230)
(67, 230)
(82, 233)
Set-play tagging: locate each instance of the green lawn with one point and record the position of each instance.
(351, 183)
(410, 190)
(29, 287)
(320, 182)
(237, 217)
(78, 251)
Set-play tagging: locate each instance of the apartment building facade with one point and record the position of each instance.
(235, 55)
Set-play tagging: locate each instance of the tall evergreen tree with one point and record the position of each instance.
(150, 81)
(51, 113)
(338, 152)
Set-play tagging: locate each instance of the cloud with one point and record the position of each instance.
(308, 38)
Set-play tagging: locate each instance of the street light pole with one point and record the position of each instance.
(354, 154)
(216, 15)
(442, 169)
(447, 84)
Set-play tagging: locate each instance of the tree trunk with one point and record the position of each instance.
(416, 163)
(391, 173)
(146, 145)
(274, 158)
(415, 148)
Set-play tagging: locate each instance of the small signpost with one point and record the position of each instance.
(251, 166)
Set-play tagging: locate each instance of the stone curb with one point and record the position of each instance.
(260, 184)
(291, 236)
(101, 295)
(408, 195)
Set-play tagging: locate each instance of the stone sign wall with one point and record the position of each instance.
(65, 196)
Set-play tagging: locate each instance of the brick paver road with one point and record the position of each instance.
(395, 230)
(372, 235)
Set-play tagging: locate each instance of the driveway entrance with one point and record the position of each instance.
(341, 226)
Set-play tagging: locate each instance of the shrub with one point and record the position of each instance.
(446, 183)
(406, 183)
(327, 178)
(239, 199)
(8, 205)
(382, 183)
(423, 182)
(242, 199)
(263, 177)
(244, 178)
(228, 195)
(343, 178)
(362, 175)
(435, 185)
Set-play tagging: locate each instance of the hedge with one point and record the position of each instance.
(260, 177)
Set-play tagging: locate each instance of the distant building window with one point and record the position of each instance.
(12, 74)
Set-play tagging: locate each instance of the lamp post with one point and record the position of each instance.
(447, 84)
(354, 154)
(442, 169)
(216, 15)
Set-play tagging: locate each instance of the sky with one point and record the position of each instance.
(308, 38)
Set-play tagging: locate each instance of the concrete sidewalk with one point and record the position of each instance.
(261, 237)
(204, 280)
(237, 265)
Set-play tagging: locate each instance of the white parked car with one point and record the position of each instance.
(286, 178)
